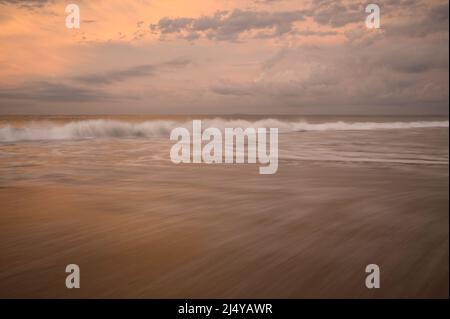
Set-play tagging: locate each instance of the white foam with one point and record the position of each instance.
(88, 129)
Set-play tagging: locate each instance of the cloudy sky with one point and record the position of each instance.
(224, 56)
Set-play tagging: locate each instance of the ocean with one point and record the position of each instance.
(101, 192)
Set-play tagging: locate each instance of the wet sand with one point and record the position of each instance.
(140, 226)
(308, 231)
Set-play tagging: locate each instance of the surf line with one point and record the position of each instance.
(234, 146)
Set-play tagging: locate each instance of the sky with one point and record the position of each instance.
(224, 57)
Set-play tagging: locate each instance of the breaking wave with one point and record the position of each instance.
(89, 129)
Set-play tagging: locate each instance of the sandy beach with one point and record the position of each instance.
(141, 227)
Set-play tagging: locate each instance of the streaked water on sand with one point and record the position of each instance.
(103, 194)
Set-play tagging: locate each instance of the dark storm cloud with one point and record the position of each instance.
(176, 63)
(229, 26)
(435, 20)
(235, 89)
(376, 75)
(337, 14)
(167, 25)
(116, 75)
(45, 91)
(308, 33)
(52, 92)
(421, 59)
(404, 67)
(146, 70)
(29, 4)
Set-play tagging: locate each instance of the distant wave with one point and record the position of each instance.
(88, 129)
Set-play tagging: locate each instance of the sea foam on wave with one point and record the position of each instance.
(88, 129)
